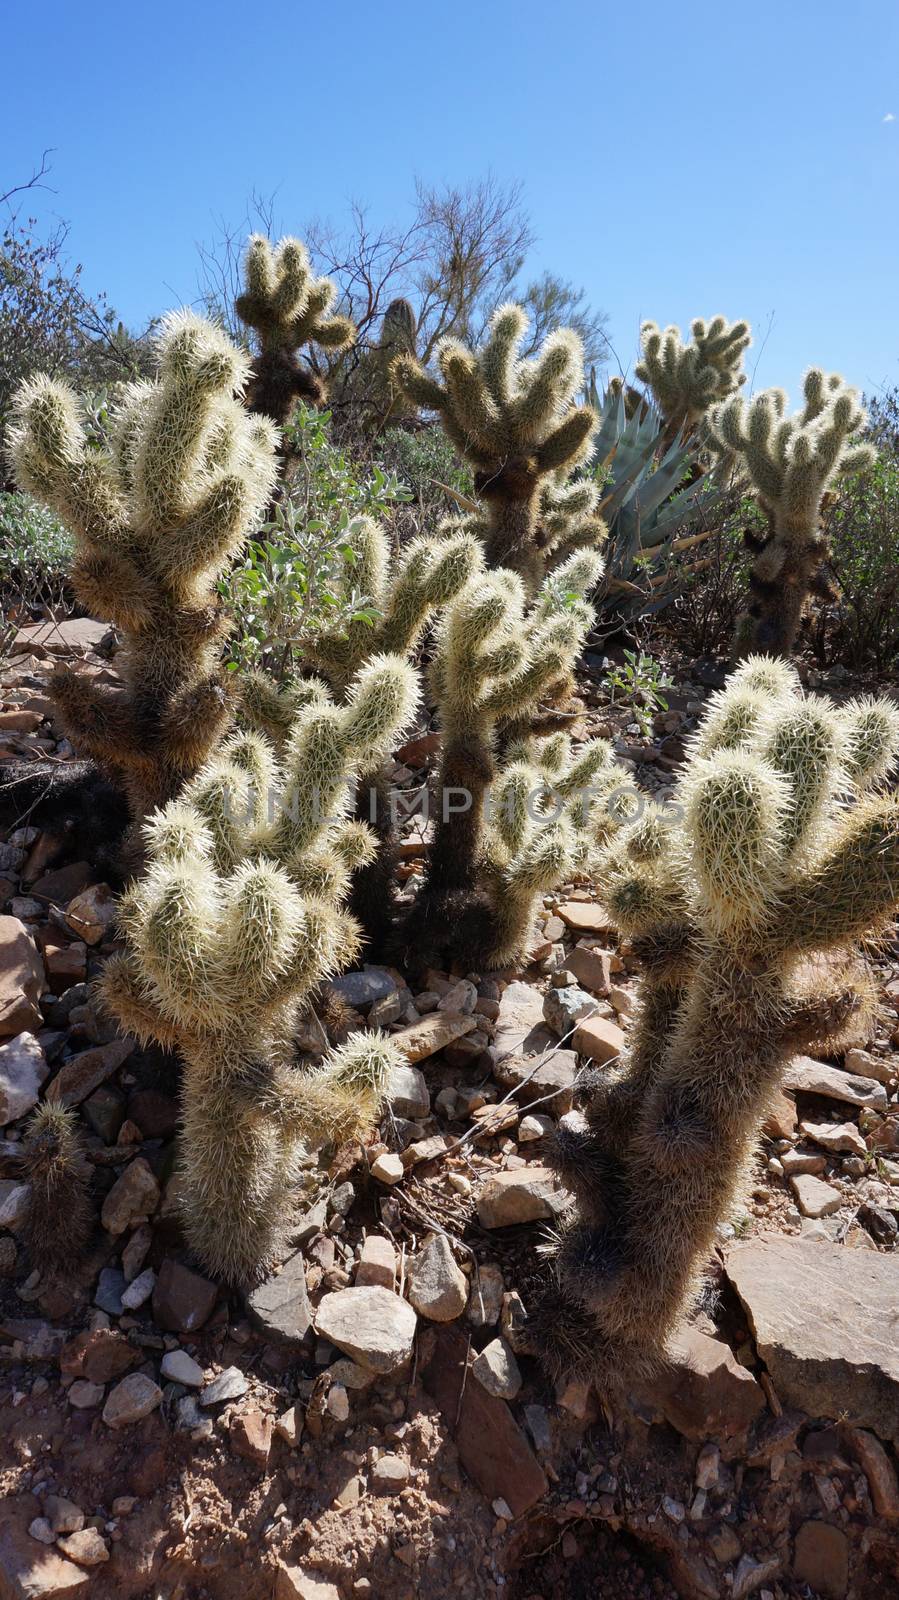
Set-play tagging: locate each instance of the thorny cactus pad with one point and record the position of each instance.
(238, 918)
(287, 307)
(748, 912)
(791, 462)
(157, 516)
(687, 378)
(516, 422)
(59, 1214)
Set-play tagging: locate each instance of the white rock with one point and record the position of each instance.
(371, 1325)
(139, 1291)
(815, 1199)
(132, 1398)
(13, 1203)
(438, 1288)
(463, 996)
(497, 1371)
(23, 1070)
(390, 1473)
(534, 1126)
(179, 1367)
(338, 1402)
(387, 1168)
(407, 1094)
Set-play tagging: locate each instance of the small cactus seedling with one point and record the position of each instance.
(749, 915)
(516, 422)
(156, 517)
(287, 306)
(59, 1215)
(791, 462)
(238, 918)
(686, 379)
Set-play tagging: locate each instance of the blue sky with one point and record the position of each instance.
(676, 159)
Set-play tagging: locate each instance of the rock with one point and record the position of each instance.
(361, 989)
(533, 1127)
(387, 1168)
(229, 1385)
(64, 1516)
(438, 1289)
(422, 1039)
(563, 1008)
(179, 1367)
(99, 1355)
(182, 1300)
(795, 1162)
(338, 1403)
(280, 1304)
(131, 1399)
(21, 980)
(805, 1076)
(485, 1300)
(497, 1371)
(108, 1293)
(65, 961)
(139, 1290)
(781, 1118)
(14, 1199)
(599, 1039)
(704, 1392)
(41, 1530)
(289, 1426)
(77, 634)
(85, 1396)
(251, 1437)
(878, 1469)
(462, 997)
(132, 1199)
(814, 1198)
(846, 1362)
(554, 1076)
(86, 1547)
(751, 1575)
(837, 1136)
(29, 1571)
(821, 1559)
(371, 1325)
(390, 1474)
(35, 1339)
(493, 1449)
(584, 917)
(708, 1465)
(592, 968)
(407, 1094)
(104, 1112)
(23, 1070)
(377, 1263)
(880, 1223)
(91, 913)
(526, 1194)
(294, 1583)
(520, 1026)
(135, 1252)
(85, 1072)
(865, 1065)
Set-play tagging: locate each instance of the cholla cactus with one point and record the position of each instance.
(383, 399)
(287, 307)
(750, 910)
(237, 919)
(687, 379)
(59, 1215)
(791, 463)
(514, 420)
(497, 661)
(156, 518)
(568, 518)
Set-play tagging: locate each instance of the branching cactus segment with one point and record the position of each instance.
(156, 519)
(381, 394)
(791, 461)
(516, 422)
(686, 379)
(287, 307)
(239, 916)
(54, 1164)
(749, 916)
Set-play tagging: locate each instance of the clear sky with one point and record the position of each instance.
(677, 158)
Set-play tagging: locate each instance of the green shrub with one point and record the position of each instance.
(861, 628)
(35, 555)
(427, 461)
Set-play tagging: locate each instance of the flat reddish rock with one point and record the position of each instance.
(21, 979)
(98, 1354)
(182, 1300)
(61, 885)
(251, 1437)
(705, 1393)
(425, 1038)
(599, 1039)
(493, 1449)
(592, 968)
(85, 1072)
(584, 916)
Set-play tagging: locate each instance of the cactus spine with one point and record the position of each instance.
(791, 463)
(773, 882)
(238, 918)
(287, 307)
(156, 517)
(59, 1215)
(515, 421)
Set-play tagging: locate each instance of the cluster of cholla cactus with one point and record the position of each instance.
(687, 378)
(373, 381)
(59, 1215)
(237, 919)
(748, 905)
(157, 515)
(402, 590)
(791, 462)
(500, 670)
(515, 421)
(287, 307)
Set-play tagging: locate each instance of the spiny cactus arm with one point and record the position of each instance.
(51, 458)
(430, 573)
(273, 711)
(853, 889)
(171, 920)
(870, 739)
(58, 1214)
(803, 743)
(815, 1018)
(542, 863)
(569, 443)
(331, 1105)
(410, 376)
(546, 385)
(687, 378)
(98, 720)
(110, 584)
(735, 814)
(284, 302)
(125, 994)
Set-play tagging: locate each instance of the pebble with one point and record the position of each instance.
(371, 1325)
(139, 1290)
(390, 1473)
(229, 1385)
(387, 1168)
(179, 1367)
(497, 1371)
(134, 1397)
(84, 1395)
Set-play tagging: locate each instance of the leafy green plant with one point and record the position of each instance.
(860, 628)
(426, 460)
(297, 578)
(36, 553)
(641, 680)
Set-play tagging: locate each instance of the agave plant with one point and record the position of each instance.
(653, 490)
